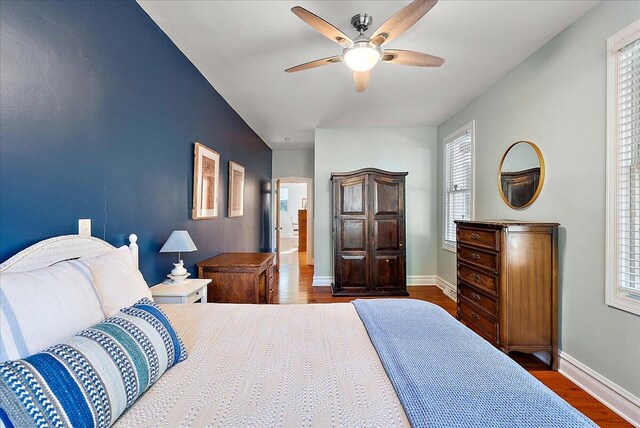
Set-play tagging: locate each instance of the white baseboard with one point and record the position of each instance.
(421, 280)
(450, 290)
(602, 389)
(411, 280)
(447, 288)
(322, 281)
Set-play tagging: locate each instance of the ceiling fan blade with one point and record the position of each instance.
(314, 64)
(417, 59)
(361, 80)
(402, 21)
(322, 26)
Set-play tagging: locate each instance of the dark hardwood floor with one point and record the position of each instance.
(295, 286)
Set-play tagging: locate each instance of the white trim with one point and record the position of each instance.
(612, 295)
(622, 38)
(446, 246)
(413, 280)
(310, 211)
(322, 281)
(602, 389)
(469, 127)
(450, 290)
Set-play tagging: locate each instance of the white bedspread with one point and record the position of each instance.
(270, 365)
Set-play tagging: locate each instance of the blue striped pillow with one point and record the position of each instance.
(90, 379)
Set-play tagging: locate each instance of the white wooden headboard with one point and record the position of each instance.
(60, 248)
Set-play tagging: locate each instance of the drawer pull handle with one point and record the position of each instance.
(475, 316)
(197, 293)
(475, 256)
(387, 260)
(475, 296)
(475, 236)
(475, 277)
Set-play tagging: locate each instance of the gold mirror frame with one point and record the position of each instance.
(540, 184)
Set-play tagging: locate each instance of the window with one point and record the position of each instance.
(284, 199)
(623, 170)
(458, 182)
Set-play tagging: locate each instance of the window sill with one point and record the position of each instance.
(449, 247)
(627, 304)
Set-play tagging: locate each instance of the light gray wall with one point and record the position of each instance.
(556, 98)
(296, 163)
(292, 163)
(393, 149)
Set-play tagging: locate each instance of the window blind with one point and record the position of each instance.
(458, 184)
(628, 169)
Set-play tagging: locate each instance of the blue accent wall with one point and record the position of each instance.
(99, 112)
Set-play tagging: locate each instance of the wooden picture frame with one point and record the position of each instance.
(206, 176)
(236, 189)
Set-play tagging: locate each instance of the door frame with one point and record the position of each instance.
(310, 211)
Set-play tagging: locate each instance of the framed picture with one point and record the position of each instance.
(206, 172)
(236, 189)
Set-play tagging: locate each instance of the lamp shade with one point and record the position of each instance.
(179, 241)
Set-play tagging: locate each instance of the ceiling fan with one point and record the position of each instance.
(363, 53)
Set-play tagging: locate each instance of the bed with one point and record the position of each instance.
(378, 363)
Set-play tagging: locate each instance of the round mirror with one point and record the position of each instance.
(521, 174)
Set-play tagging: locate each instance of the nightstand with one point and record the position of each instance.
(188, 291)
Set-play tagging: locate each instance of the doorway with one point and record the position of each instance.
(293, 237)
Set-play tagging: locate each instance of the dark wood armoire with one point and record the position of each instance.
(519, 187)
(369, 233)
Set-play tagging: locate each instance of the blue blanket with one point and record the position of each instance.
(447, 376)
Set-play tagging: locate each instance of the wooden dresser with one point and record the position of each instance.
(302, 231)
(508, 283)
(239, 277)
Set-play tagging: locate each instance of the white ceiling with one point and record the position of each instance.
(243, 47)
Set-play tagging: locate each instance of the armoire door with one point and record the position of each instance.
(387, 233)
(352, 235)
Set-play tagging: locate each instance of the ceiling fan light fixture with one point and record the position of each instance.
(362, 53)
(362, 56)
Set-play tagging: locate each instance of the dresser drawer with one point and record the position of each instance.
(478, 238)
(483, 301)
(472, 276)
(477, 322)
(271, 295)
(479, 258)
(196, 295)
(485, 336)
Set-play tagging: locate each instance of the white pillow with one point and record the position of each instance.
(119, 283)
(41, 307)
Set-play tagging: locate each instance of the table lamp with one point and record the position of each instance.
(179, 242)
